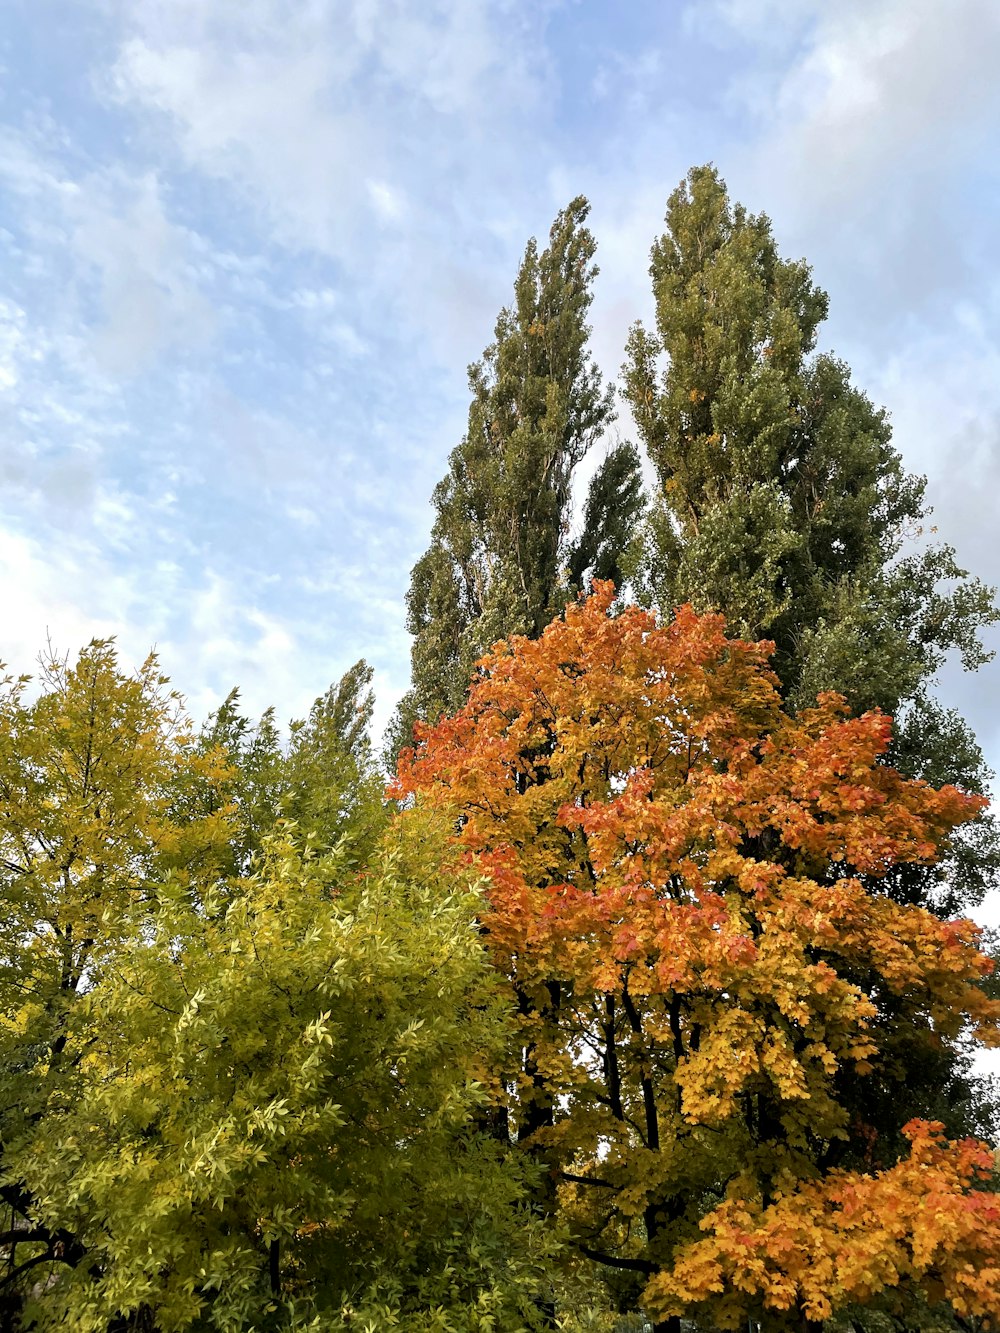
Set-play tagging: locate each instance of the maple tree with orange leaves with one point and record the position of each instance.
(682, 890)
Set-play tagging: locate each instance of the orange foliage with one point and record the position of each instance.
(848, 1237)
(675, 891)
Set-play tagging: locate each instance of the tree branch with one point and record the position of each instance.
(585, 1180)
(616, 1261)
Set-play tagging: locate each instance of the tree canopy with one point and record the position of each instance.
(238, 1094)
(780, 498)
(679, 878)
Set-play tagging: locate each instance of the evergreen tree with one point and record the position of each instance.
(501, 561)
(782, 502)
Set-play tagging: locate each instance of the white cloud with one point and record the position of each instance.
(388, 204)
(314, 298)
(29, 171)
(313, 110)
(40, 586)
(301, 514)
(374, 135)
(944, 390)
(106, 231)
(862, 139)
(50, 434)
(257, 118)
(68, 594)
(12, 344)
(889, 86)
(149, 290)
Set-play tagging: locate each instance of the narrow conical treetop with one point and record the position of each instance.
(500, 560)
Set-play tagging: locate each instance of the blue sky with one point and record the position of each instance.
(249, 250)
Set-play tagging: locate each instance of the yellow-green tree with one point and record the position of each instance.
(93, 768)
(238, 1100)
(270, 1119)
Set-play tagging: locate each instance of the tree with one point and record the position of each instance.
(256, 779)
(335, 788)
(324, 780)
(501, 560)
(781, 500)
(93, 774)
(782, 503)
(682, 880)
(271, 1126)
(237, 1100)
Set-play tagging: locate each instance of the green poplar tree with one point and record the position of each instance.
(782, 502)
(501, 560)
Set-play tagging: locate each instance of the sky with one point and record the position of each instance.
(250, 249)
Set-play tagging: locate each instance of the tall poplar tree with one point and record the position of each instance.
(782, 502)
(501, 560)
(781, 498)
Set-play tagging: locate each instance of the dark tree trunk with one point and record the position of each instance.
(11, 1304)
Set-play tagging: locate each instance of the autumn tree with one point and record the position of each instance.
(501, 559)
(781, 501)
(683, 880)
(95, 764)
(271, 1122)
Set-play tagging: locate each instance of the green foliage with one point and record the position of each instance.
(90, 771)
(500, 561)
(271, 1114)
(335, 792)
(256, 779)
(614, 502)
(781, 499)
(325, 781)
